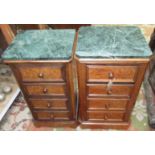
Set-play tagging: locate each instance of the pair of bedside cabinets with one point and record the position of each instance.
(89, 78)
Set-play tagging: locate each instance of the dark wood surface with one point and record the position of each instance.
(3, 43)
(7, 32)
(51, 104)
(44, 26)
(41, 72)
(67, 26)
(152, 41)
(99, 108)
(48, 89)
(106, 104)
(102, 73)
(50, 99)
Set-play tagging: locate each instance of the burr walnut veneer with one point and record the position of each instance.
(111, 62)
(42, 64)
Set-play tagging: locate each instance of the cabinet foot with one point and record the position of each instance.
(71, 124)
(105, 125)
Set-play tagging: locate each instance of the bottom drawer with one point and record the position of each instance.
(45, 115)
(106, 116)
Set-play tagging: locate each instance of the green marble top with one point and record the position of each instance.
(112, 42)
(41, 44)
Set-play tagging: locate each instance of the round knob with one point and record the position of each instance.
(41, 75)
(45, 90)
(49, 105)
(52, 116)
(109, 92)
(111, 76)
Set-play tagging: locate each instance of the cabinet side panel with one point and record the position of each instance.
(81, 73)
(71, 91)
(135, 92)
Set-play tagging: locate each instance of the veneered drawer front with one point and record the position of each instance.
(106, 104)
(45, 89)
(102, 90)
(49, 104)
(41, 72)
(51, 116)
(105, 116)
(102, 73)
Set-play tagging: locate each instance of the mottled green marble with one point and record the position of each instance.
(41, 44)
(112, 42)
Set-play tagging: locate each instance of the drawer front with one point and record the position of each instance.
(45, 89)
(49, 104)
(102, 73)
(41, 72)
(103, 90)
(106, 104)
(51, 116)
(105, 116)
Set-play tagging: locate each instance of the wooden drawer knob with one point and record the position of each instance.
(45, 90)
(41, 75)
(111, 75)
(52, 116)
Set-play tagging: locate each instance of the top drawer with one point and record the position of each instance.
(102, 73)
(41, 72)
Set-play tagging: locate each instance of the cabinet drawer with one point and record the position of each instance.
(103, 90)
(46, 115)
(106, 104)
(54, 89)
(105, 116)
(50, 104)
(41, 72)
(102, 73)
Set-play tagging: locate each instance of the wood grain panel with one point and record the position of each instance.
(44, 89)
(106, 116)
(106, 104)
(41, 72)
(52, 116)
(102, 73)
(49, 104)
(116, 90)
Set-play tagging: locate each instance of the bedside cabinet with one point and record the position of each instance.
(41, 61)
(111, 63)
